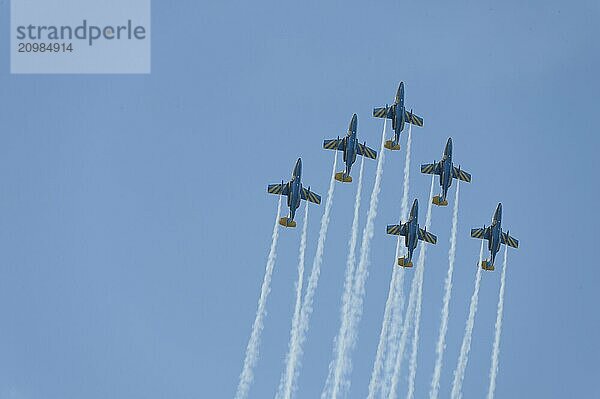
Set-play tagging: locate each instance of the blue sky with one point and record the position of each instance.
(135, 222)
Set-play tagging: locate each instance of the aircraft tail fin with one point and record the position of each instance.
(343, 177)
(287, 222)
(403, 262)
(391, 145)
(439, 201)
(486, 265)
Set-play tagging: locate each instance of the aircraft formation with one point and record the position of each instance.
(410, 230)
(382, 378)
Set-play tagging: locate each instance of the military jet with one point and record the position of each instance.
(495, 237)
(351, 148)
(294, 192)
(412, 233)
(399, 116)
(447, 171)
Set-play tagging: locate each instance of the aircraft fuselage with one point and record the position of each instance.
(351, 145)
(495, 234)
(446, 166)
(399, 113)
(412, 237)
(294, 196)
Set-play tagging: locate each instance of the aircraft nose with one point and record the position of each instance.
(353, 123)
(499, 211)
(449, 145)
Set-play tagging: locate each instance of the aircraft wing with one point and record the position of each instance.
(508, 240)
(366, 151)
(482, 234)
(413, 119)
(427, 236)
(384, 112)
(309, 196)
(431, 168)
(278, 189)
(461, 174)
(397, 229)
(334, 144)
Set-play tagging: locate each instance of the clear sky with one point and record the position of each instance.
(135, 223)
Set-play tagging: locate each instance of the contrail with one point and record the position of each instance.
(398, 304)
(298, 305)
(410, 311)
(288, 380)
(463, 358)
(496, 350)
(247, 374)
(412, 365)
(338, 362)
(392, 315)
(441, 343)
(362, 273)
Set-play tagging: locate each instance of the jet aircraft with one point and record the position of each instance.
(447, 171)
(412, 233)
(399, 116)
(294, 192)
(351, 148)
(495, 237)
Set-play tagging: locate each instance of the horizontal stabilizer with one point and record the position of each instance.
(439, 201)
(486, 265)
(366, 151)
(309, 196)
(278, 189)
(427, 236)
(403, 262)
(461, 174)
(343, 177)
(384, 112)
(431, 168)
(510, 241)
(413, 119)
(334, 144)
(396, 229)
(391, 145)
(287, 222)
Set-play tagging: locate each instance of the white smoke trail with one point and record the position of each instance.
(398, 306)
(441, 343)
(299, 284)
(361, 272)
(421, 271)
(410, 310)
(287, 385)
(337, 364)
(247, 375)
(392, 315)
(463, 358)
(496, 348)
